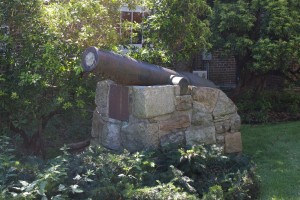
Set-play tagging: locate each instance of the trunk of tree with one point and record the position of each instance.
(35, 144)
(248, 80)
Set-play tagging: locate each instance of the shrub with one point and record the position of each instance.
(97, 173)
(265, 106)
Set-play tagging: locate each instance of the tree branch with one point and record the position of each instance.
(19, 131)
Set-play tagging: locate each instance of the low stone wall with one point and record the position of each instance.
(142, 117)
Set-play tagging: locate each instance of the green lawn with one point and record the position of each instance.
(275, 149)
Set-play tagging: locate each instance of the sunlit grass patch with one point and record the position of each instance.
(275, 148)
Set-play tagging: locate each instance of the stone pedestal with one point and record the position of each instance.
(143, 117)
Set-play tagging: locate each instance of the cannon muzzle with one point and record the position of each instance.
(128, 71)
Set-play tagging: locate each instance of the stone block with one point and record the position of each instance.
(233, 143)
(152, 101)
(177, 90)
(201, 116)
(200, 135)
(175, 139)
(222, 126)
(175, 123)
(220, 139)
(111, 136)
(160, 118)
(139, 134)
(184, 102)
(235, 122)
(224, 107)
(97, 126)
(101, 98)
(206, 96)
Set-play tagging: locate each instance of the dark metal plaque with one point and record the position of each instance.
(118, 102)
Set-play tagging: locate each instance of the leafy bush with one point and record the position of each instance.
(97, 173)
(265, 106)
(40, 67)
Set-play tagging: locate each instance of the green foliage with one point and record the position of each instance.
(262, 107)
(151, 55)
(262, 35)
(98, 173)
(40, 70)
(177, 28)
(8, 164)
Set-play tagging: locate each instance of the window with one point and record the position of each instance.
(131, 25)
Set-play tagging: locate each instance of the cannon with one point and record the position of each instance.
(128, 71)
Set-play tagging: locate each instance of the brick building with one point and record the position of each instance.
(218, 68)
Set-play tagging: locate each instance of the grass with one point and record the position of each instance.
(275, 149)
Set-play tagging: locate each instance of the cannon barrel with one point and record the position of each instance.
(128, 71)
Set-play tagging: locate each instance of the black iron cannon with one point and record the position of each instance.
(128, 71)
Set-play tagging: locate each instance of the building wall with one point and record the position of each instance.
(221, 69)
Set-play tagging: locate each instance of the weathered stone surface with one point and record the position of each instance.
(206, 96)
(101, 98)
(176, 138)
(97, 125)
(152, 101)
(200, 135)
(224, 107)
(201, 116)
(233, 143)
(177, 90)
(139, 134)
(235, 122)
(160, 118)
(183, 102)
(223, 126)
(111, 136)
(220, 138)
(175, 123)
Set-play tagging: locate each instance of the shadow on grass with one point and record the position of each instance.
(275, 149)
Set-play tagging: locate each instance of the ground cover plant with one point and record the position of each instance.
(275, 151)
(195, 173)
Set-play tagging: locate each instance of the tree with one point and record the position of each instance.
(262, 35)
(40, 68)
(177, 29)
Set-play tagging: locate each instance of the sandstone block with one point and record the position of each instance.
(111, 136)
(200, 135)
(139, 134)
(152, 101)
(206, 96)
(101, 98)
(183, 102)
(97, 125)
(223, 126)
(233, 143)
(177, 90)
(224, 107)
(235, 122)
(201, 116)
(176, 139)
(160, 118)
(175, 123)
(220, 139)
